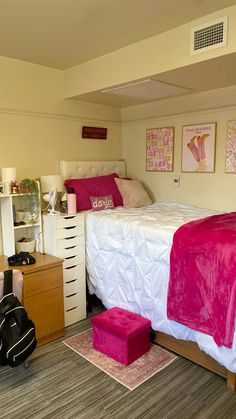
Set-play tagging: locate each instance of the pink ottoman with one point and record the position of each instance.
(120, 334)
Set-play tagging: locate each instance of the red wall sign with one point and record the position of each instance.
(94, 132)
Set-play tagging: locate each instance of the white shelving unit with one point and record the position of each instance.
(11, 233)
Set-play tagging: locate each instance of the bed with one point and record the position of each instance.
(127, 260)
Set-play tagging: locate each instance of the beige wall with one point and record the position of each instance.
(210, 190)
(38, 127)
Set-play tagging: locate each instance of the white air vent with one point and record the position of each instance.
(210, 36)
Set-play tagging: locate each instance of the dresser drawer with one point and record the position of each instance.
(62, 233)
(74, 315)
(74, 272)
(71, 251)
(74, 260)
(46, 311)
(70, 242)
(72, 301)
(74, 286)
(44, 280)
(69, 221)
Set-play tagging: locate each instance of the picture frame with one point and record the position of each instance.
(198, 148)
(230, 157)
(160, 149)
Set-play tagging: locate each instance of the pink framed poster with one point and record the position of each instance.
(198, 148)
(230, 159)
(159, 149)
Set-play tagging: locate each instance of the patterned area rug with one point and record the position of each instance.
(130, 376)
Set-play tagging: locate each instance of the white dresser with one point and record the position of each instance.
(64, 237)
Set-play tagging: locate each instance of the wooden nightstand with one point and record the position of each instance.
(43, 295)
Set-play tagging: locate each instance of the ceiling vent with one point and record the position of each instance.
(210, 36)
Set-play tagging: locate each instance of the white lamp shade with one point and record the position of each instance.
(9, 174)
(51, 182)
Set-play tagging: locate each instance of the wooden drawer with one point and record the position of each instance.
(62, 233)
(74, 272)
(69, 221)
(74, 315)
(74, 286)
(74, 260)
(46, 311)
(37, 282)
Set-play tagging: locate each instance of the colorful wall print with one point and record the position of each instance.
(159, 149)
(230, 161)
(198, 148)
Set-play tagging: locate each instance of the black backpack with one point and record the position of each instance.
(17, 331)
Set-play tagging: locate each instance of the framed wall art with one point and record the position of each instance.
(198, 148)
(230, 159)
(159, 149)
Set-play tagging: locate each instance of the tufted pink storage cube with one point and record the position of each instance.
(120, 334)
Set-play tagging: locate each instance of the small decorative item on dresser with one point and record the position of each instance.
(2, 188)
(28, 186)
(25, 245)
(63, 203)
(71, 201)
(14, 189)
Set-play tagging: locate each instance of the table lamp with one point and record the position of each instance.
(50, 185)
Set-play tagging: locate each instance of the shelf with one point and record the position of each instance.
(26, 226)
(11, 233)
(15, 194)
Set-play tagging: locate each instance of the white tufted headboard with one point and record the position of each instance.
(81, 169)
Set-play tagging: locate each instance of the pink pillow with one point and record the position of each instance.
(99, 203)
(94, 186)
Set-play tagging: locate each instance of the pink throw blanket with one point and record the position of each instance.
(202, 286)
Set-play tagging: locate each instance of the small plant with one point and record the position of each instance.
(28, 186)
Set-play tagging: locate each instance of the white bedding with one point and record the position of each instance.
(127, 258)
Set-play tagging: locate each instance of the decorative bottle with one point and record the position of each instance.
(71, 201)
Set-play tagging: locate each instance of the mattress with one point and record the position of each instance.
(127, 259)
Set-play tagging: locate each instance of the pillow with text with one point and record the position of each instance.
(99, 203)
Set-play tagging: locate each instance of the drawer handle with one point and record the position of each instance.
(70, 257)
(70, 247)
(69, 228)
(71, 267)
(71, 295)
(69, 282)
(69, 218)
(69, 238)
(70, 309)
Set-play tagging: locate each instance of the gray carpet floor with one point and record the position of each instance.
(61, 384)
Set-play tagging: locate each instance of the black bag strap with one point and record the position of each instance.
(7, 285)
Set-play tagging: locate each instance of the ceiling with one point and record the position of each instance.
(64, 33)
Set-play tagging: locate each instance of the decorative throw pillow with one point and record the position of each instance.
(94, 186)
(133, 193)
(99, 203)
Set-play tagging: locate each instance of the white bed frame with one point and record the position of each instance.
(187, 349)
(81, 169)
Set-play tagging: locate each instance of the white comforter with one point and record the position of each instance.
(127, 259)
